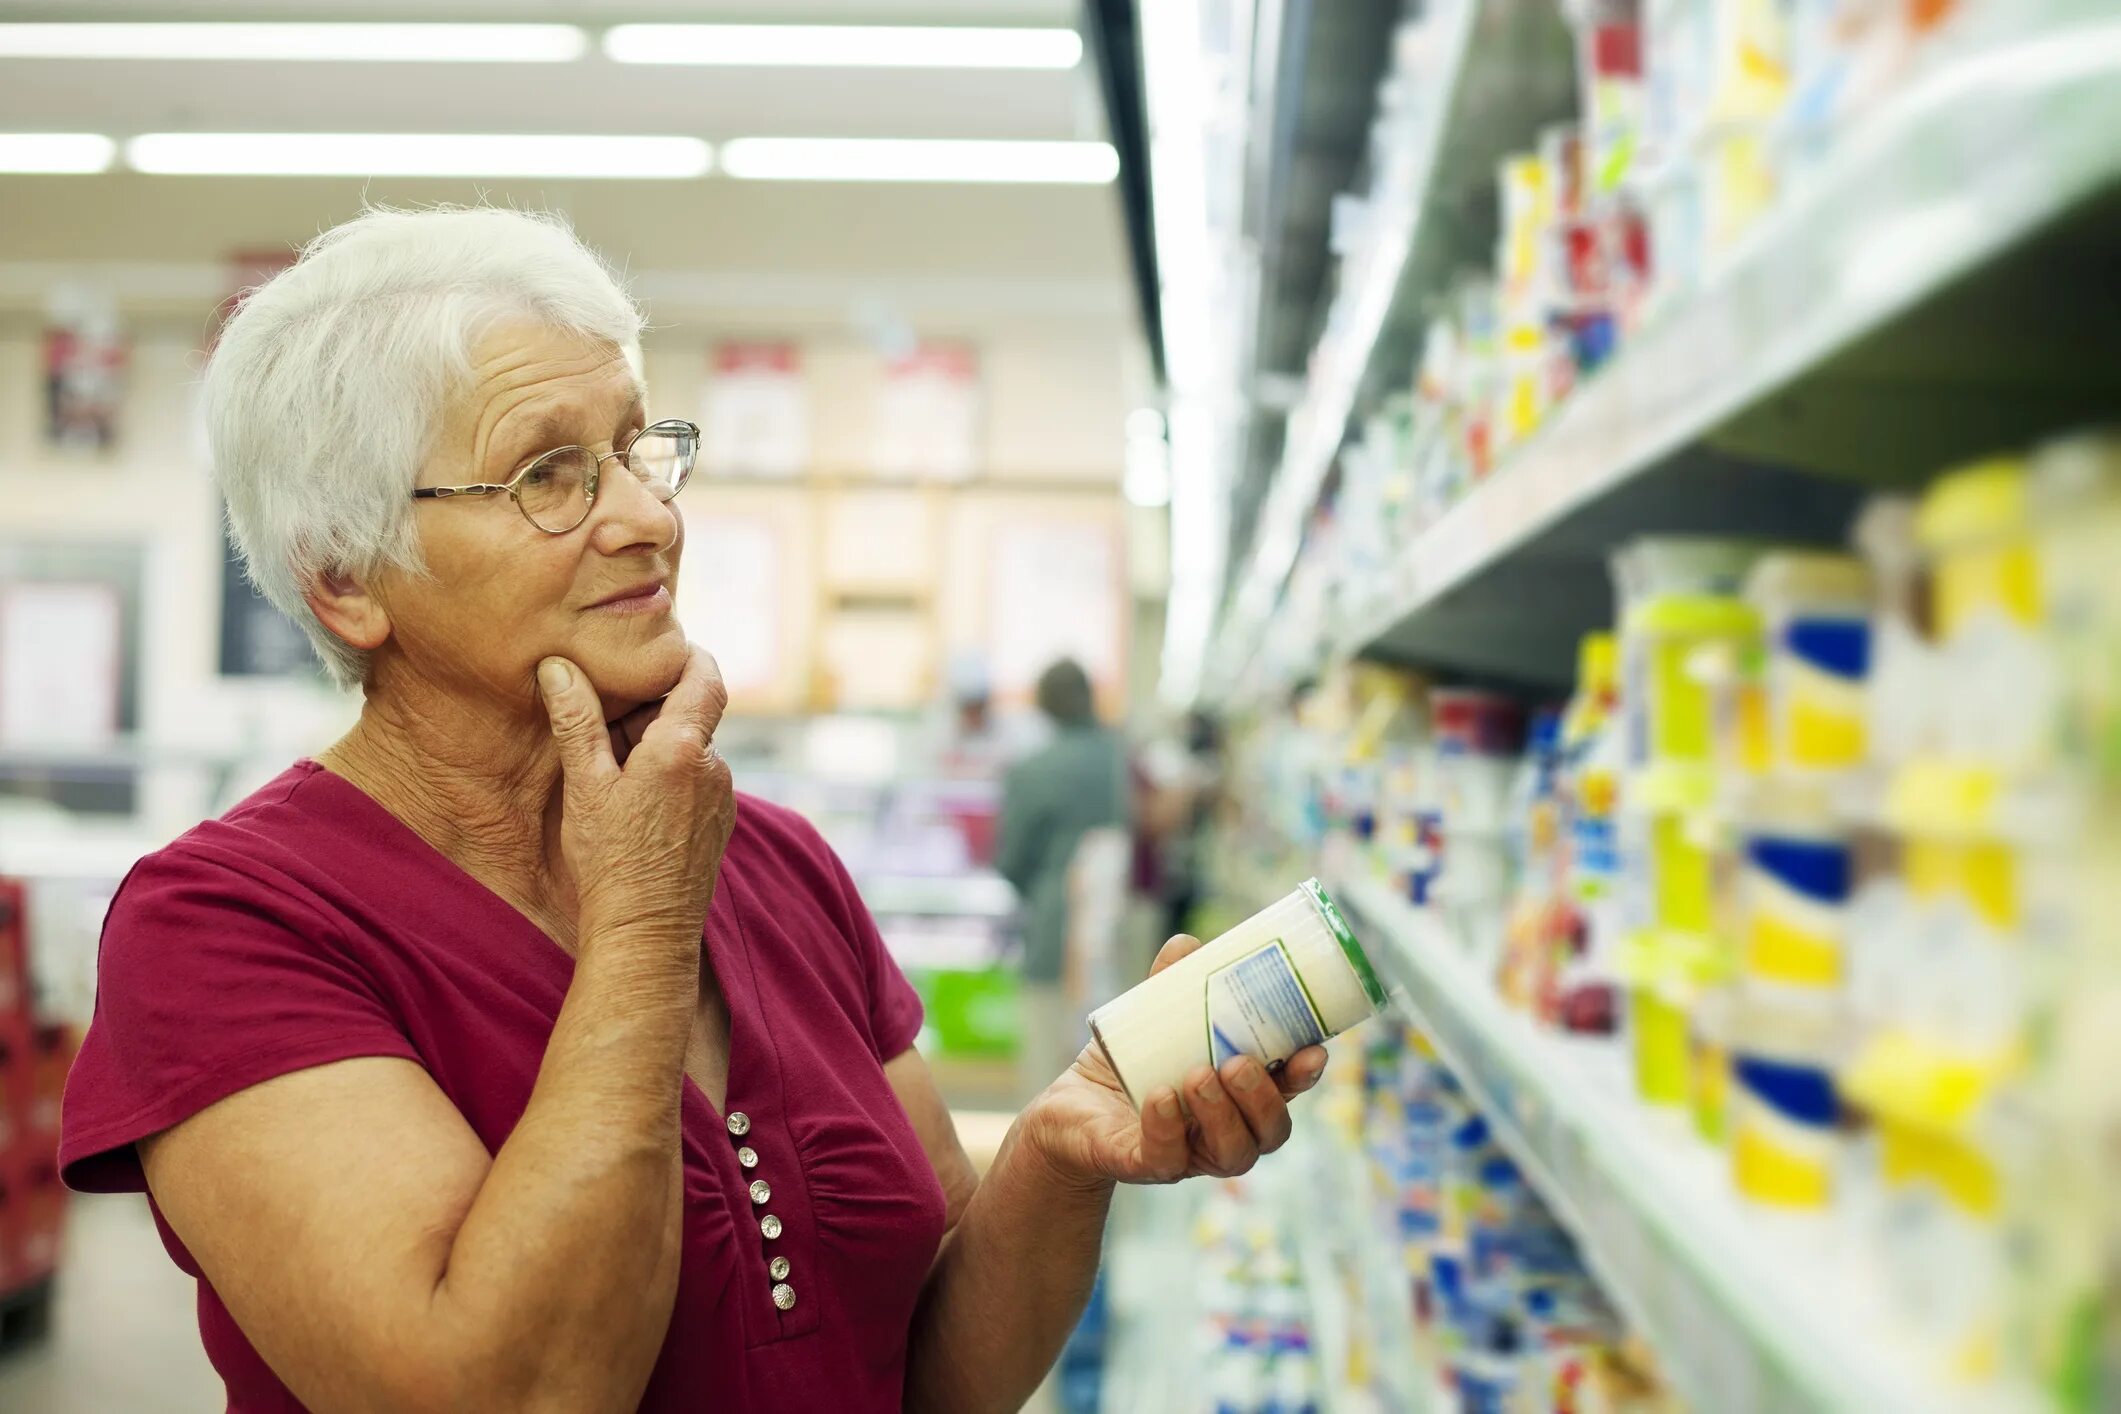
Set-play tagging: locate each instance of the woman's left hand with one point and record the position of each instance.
(1087, 1129)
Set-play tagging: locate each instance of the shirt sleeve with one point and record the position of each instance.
(208, 981)
(895, 1011)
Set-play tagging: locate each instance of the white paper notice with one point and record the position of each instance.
(1055, 593)
(927, 414)
(729, 598)
(59, 664)
(755, 419)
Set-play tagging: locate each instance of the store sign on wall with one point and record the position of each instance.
(1055, 589)
(84, 363)
(755, 416)
(928, 414)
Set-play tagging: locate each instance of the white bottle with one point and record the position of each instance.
(1290, 976)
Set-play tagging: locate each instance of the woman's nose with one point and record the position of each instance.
(627, 515)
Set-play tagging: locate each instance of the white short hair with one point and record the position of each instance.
(327, 389)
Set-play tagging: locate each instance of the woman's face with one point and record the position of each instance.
(500, 594)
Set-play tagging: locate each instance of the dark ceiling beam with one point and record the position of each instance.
(1112, 33)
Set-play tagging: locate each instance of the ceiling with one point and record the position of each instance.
(815, 249)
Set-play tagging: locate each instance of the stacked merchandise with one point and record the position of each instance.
(1695, 116)
(33, 1064)
(1506, 1313)
(1986, 986)
(1254, 1336)
(1823, 843)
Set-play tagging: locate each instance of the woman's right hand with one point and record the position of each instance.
(644, 840)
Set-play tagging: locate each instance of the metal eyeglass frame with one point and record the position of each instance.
(596, 474)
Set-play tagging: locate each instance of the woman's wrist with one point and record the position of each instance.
(1046, 1134)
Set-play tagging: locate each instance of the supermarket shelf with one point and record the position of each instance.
(1928, 294)
(1152, 1302)
(1404, 1377)
(1505, 73)
(982, 895)
(1749, 1310)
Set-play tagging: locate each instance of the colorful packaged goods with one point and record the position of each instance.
(1476, 736)
(1678, 604)
(1504, 1304)
(1588, 983)
(1829, 838)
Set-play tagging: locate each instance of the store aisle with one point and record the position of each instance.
(124, 1336)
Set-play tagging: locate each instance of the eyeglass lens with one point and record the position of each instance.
(555, 491)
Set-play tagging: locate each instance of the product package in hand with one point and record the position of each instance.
(1290, 976)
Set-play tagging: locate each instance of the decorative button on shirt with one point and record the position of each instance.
(770, 1226)
(748, 1157)
(778, 1269)
(784, 1296)
(760, 1190)
(739, 1124)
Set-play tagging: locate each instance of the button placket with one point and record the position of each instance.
(770, 1226)
(771, 1145)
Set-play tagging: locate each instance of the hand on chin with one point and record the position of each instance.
(627, 677)
(631, 687)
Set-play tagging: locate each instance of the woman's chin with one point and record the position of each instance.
(625, 678)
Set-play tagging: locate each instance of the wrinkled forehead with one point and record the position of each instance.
(531, 383)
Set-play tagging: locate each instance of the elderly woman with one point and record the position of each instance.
(504, 1057)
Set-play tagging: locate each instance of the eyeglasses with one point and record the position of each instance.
(555, 491)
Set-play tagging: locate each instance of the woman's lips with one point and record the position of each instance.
(655, 600)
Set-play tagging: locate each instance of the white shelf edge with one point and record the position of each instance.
(1318, 425)
(1748, 1309)
(1695, 367)
(981, 893)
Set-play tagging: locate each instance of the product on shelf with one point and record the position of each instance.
(1696, 119)
(1290, 976)
(1587, 983)
(1680, 611)
(1504, 1306)
(1540, 922)
(1255, 1341)
(1828, 839)
(1476, 738)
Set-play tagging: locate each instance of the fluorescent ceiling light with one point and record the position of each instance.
(454, 44)
(845, 46)
(418, 155)
(862, 159)
(55, 152)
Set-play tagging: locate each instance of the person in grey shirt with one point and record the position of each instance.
(1074, 784)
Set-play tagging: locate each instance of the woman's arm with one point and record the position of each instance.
(1016, 1268)
(354, 1223)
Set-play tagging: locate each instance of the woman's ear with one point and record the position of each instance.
(350, 609)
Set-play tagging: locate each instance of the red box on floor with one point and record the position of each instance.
(13, 1272)
(17, 1081)
(14, 948)
(32, 1220)
(52, 1048)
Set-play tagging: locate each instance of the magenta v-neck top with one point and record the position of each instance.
(309, 925)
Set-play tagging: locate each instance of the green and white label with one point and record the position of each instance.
(1258, 1006)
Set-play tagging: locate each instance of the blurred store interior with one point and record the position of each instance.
(1626, 493)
